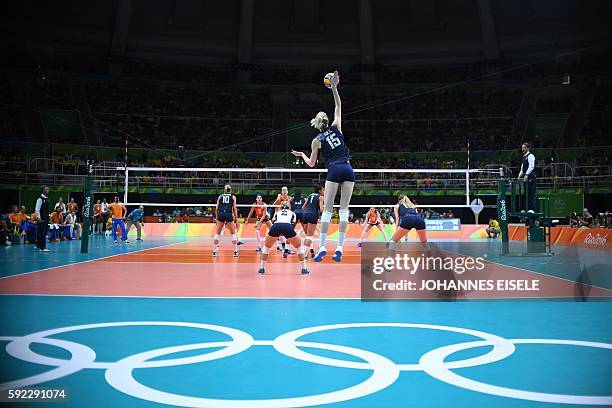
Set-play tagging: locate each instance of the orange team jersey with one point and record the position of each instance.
(373, 217)
(15, 218)
(260, 211)
(55, 217)
(33, 217)
(97, 209)
(72, 207)
(117, 210)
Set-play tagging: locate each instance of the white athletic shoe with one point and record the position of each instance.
(338, 255)
(319, 256)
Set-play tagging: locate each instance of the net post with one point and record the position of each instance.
(88, 203)
(467, 187)
(126, 185)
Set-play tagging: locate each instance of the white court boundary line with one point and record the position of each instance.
(89, 260)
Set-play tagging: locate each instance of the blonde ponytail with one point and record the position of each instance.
(406, 201)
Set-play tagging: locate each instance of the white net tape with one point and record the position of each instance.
(179, 180)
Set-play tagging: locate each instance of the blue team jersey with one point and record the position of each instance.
(312, 204)
(136, 215)
(296, 205)
(404, 211)
(333, 148)
(226, 203)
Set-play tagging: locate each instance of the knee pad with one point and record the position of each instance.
(343, 215)
(234, 237)
(265, 250)
(216, 237)
(302, 250)
(326, 216)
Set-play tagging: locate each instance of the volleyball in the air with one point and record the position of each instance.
(327, 80)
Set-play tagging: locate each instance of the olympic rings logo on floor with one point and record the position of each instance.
(119, 374)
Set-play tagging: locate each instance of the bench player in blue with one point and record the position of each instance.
(330, 141)
(226, 215)
(284, 226)
(312, 207)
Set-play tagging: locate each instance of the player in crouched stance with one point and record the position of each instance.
(283, 225)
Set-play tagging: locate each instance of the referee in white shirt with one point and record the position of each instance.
(528, 175)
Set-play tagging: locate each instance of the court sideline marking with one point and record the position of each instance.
(89, 260)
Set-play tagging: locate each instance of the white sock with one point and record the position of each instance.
(304, 264)
(322, 239)
(262, 264)
(341, 236)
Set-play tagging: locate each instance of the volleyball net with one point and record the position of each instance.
(198, 187)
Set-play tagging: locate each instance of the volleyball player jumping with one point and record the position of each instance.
(330, 141)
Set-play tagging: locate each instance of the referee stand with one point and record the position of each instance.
(537, 222)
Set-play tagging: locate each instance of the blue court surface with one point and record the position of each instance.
(124, 351)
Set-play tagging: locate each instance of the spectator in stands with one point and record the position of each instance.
(574, 220)
(587, 219)
(448, 214)
(157, 213)
(70, 223)
(136, 218)
(493, 229)
(42, 218)
(608, 217)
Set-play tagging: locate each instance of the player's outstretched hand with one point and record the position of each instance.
(296, 153)
(335, 80)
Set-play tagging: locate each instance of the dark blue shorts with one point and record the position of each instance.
(309, 218)
(282, 228)
(298, 216)
(412, 221)
(340, 172)
(225, 216)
